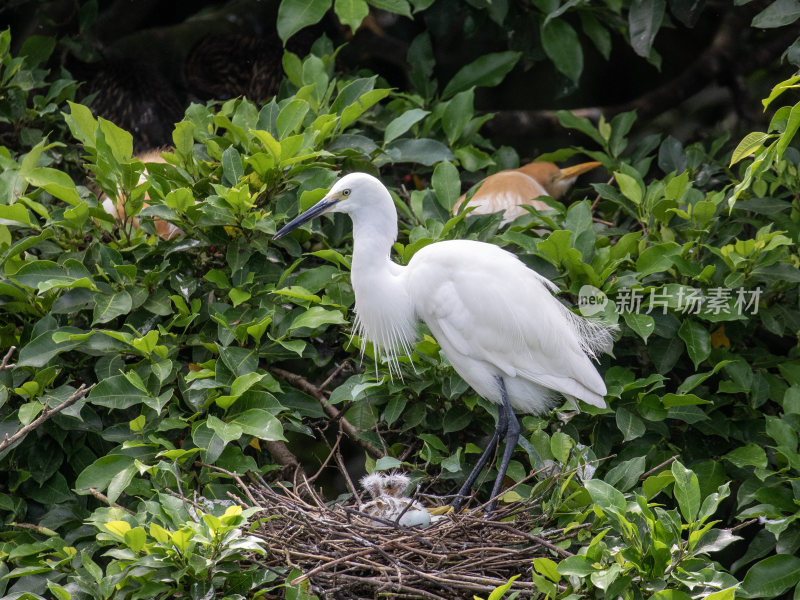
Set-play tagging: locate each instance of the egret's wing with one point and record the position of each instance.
(489, 306)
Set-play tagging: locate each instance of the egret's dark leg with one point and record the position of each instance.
(499, 433)
(512, 435)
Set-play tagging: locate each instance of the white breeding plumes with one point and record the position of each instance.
(495, 319)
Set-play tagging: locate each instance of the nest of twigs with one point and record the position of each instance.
(344, 553)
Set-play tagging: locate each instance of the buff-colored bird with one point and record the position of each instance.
(510, 190)
(164, 229)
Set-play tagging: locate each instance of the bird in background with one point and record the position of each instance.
(116, 208)
(509, 191)
(495, 319)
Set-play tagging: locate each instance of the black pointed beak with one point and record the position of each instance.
(319, 208)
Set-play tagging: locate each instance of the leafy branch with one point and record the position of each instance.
(46, 414)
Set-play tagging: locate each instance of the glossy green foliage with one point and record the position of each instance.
(188, 341)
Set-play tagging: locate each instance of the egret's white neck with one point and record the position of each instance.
(384, 312)
(374, 233)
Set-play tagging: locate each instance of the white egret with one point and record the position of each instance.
(510, 190)
(495, 319)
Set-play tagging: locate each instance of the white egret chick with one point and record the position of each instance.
(395, 484)
(495, 319)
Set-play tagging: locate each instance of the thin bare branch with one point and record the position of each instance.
(302, 383)
(4, 365)
(46, 414)
(103, 498)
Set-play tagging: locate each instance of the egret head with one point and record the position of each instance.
(353, 193)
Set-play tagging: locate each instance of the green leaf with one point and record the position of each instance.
(600, 36)
(670, 595)
(16, 214)
(40, 350)
(228, 432)
(626, 475)
(642, 324)
(244, 382)
(183, 138)
(750, 455)
(644, 21)
(447, 184)
(387, 462)
(238, 296)
(136, 539)
(489, 70)
(259, 423)
(351, 12)
(232, 166)
(101, 472)
(500, 591)
(577, 566)
(779, 89)
(46, 275)
(582, 124)
(294, 15)
(605, 496)
(771, 577)
(687, 491)
(726, 594)
(561, 445)
(81, 123)
(290, 117)
(778, 14)
(111, 306)
(457, 114)
(792, 125)
(697, 340)
(403, 123)
(117, 392)
(562, 46)
(657, 258)
(548, 568)
(751, 143)
(424, 151)
(399, 7)
(119, 141)
(57, 183)
(629, 424)
(629, 187)
(316, 316)
(355, 110)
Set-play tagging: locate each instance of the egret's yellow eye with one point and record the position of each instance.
(345, 192)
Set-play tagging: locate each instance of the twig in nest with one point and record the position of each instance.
(311, 389)
(344, 553)
(46, 414)
(235, 477)
(324, 464)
